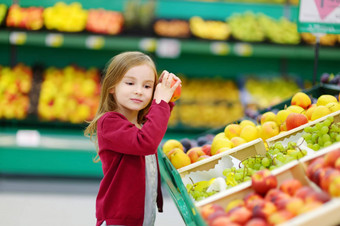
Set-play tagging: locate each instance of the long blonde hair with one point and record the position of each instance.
(114, 73)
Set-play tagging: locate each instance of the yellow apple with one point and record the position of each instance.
(325, 99)
(319, 112)
(171, 144)
(310, 110)
(249, 133)
(301, 99)
(333, 106)
(246, 123)
(232, 130)
(237, 141)
(281, 116)
(179, 159)
(268, 130)
(220, 142)
(194, 153)
(296, 109)
(268, 116)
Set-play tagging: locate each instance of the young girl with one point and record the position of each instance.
(130, 123)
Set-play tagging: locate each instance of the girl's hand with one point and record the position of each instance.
(164, 90)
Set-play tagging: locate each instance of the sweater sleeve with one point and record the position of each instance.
(119, 135)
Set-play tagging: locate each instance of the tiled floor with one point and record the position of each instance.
(60, 202)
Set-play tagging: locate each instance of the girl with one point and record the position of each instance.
(130, 123)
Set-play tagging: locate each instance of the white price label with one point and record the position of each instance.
(148, 44)
(220, 48)
(18, 38)
(54, 40)
(325, 11)
(168, 48)
(28, 138)
(95, 42)
(243, 49)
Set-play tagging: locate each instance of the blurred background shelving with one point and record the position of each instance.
(216, 73)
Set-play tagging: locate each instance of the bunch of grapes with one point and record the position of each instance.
(236, 176)
(198, 190)
(322, 134)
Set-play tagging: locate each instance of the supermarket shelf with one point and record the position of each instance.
(150, 44)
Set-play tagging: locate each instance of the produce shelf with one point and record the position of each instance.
(151, 44)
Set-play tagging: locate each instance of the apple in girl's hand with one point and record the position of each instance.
(263, 181)
(177, 93)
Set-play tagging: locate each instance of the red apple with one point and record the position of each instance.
(239, 215)
(207, 149)
(209, 209)
(294, 205)
(331, 157)
(314, 165)
(212, 217)
(303, 192)
(317, 196)
(263, 181)
(301, 99)
(295, 120)
(194, 153)
(290, 186)
(264, 209)
(328, 177)
(222, 221)
(177, 93)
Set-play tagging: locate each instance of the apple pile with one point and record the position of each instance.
(30, 18)
(104, 21)
(66, 18)
(15, 86)
(325, 172)
(322, 134)
(70, 94)
(268, 203)
(301, 111)
(172, 28)
(209, 29)
(3, 10)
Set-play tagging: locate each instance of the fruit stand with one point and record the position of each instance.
(204, 172)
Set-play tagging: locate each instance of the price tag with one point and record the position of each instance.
(28, 138)
(54, 40)
(148, 44)
(319, 16)
(243, 49)
(18, 38)
(95, 42)
(168, 48)
(220, 48)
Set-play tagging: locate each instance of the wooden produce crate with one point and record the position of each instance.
(327, 214)
(292, 134)
(252, 148)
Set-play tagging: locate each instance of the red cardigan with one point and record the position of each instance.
(122, 150)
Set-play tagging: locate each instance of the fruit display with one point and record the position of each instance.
(325, 172)
(104, 21)
(3, 10)
(15, 86)
(30, 18)
(267, 201)
(211, 108)
(70, 94)
(209, 29)
(260, 93)
(66, 18)
(246, 27)
(172, 28)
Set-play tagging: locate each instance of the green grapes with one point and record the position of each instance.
(322, 134)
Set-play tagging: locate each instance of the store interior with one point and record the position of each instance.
(236, 59)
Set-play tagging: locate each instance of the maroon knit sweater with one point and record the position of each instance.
(122, 151)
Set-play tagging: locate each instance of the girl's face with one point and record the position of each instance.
(134, 91)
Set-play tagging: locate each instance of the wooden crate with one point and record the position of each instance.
(252, 148)
(295, 132)
(327, 214)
